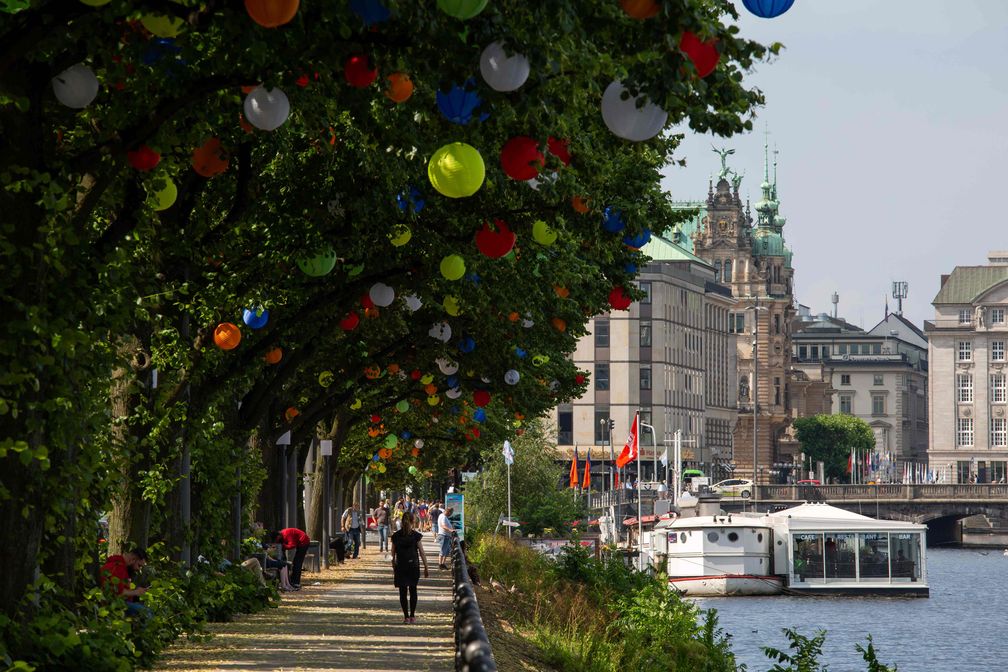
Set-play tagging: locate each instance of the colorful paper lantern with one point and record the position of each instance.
(452, 306)
(162, 25)
(433, 400)
(411, 199)
(350, 322)
(413, 302)
(462, 9)
(441, 331)
(321, 264)
(164, 198)
(372, 372)
(459, 103)
(559, 148)
(456, 170)
(625, 119)
(543, 234)
(638, 241)
(521, 159)
(704, 55)
(640, 9)
(273, 355)
(453, 392)
(291, 413)
(413, 470)
(381, 294)
(481, 398)
(210, 158)
(271, 13)
(511, 377)
(382, 468)
(453, 267)
(76, 86)
(402, 406)
(267, 109)
(418, 444)
(768, 9)
(618, 299)
(495, 244)
(359, 71)
(326, 378)
(227, 336)
(370, 11)
(255, 318)
(143, 158)
(559, 324)
(540, 360)
(400, 87)
(580, 205)
(502, 72)
(391, 441)
(400, 235)
(612, 220)
(467, 345)
(446, 366)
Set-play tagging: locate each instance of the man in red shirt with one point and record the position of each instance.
(292, 537)
(118, 572)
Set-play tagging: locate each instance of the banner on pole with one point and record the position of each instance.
(456, 502)
(508, 453)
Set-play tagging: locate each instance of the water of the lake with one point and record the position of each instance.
(960, 628)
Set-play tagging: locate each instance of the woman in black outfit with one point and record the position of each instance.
(407, 552)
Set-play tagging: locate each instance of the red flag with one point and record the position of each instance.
(574, 480)
(629, 453)
(850, 462)
(616, 479)
(586, 484)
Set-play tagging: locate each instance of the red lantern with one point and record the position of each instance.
(481, 398)
(273, 356)
(350, 322)
(579, 379)
(359, 72)
(291, 413)
(640, 9)
(560, 149)
(227, 336)
(366, 302)
(495, 244)
(704, 55)
(143, 158)
(521, 158)
(375, 419)
(210, 158)
(618, 299)
(415, 374)
(271, 13)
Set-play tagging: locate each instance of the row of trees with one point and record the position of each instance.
(115, 396)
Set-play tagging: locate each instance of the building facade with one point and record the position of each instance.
(968, 394)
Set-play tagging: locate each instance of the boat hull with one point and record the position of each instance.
(725, 585)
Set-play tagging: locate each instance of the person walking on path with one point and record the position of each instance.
(353, 521)
(444, 538)
(407, 552)
(381, 516)
(293, 538)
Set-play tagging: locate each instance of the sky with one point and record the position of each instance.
(891, 119)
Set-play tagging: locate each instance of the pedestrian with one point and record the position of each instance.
(433, 511)
(422, 510)
(293, 538)
(397, 514)
(352, 522)
(407, 552)
(381, 516)
(119, 571)
(444, 538)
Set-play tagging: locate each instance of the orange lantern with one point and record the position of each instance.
(210, 158)
(414, 451)
(271, 13)
(561, 292)
(400, 87)
(273, 356)
(559, 324)
(430, 389)
(393, 369)
(580, 205)
(513, 316)
(640, 9)
(291, 413)
(227, 336)
(372, 372)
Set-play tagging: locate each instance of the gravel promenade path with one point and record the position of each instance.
(344, 619)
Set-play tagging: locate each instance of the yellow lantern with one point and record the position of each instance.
(162, 26)
(400, 235)
(456, 170)
(542, 233)
(453, 267)
(451, 305)
(165, 197)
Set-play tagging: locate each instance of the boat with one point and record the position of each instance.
(810, 548)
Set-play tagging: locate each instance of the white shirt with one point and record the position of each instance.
(444, 524)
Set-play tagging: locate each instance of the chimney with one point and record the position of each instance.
(944, 279)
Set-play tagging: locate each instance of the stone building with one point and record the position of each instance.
(968, 394)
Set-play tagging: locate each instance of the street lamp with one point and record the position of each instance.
(654, 453)
(755, 394)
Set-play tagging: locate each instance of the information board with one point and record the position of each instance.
(456, 502)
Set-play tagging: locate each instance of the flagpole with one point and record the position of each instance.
(509, 500)
(640, 522)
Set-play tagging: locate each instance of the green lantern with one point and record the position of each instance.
(165, 197)
(319, 265)
(451, 305)
(326, 378)
(462, 9)
(413, 470)
(542, 233)
(402, 406)
(456, 170)
(400, 235)
(391, 441)
(453, 267)
(162, 26)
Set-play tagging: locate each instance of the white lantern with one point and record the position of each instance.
(267, 110)
(441, 331)
(555, 386)
(381, 294)
(511, 377)
(453, 393)
(413, 302)
(447, 366)
(76, 86)
(628, 121)
(502, 72)
(542, 179)
(418, 443)
(527, 322)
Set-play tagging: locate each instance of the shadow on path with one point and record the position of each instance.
(342, 620)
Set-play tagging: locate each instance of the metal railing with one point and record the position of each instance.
(472, 646)
(933, 492)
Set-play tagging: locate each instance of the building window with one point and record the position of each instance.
(645, 334)
(997, 351)
(717, 271)
(878, 404)
(777, 390)
(879, 380)
(999, 470)
(845, 403)
(964, 387)
(999, 435)
(727, 271)
(802, 353)
(776, 323)
(876, 348)
(842, 349)
(645, 419)
(964, 432)
(645, 378)
(997, 388)
(965, 316)
(845, 379)
(736, 323)
(601, 426)
(646, 288)
(997, 315)
(602, 375)
(965, 351)
(601, 333)
(565, 427)
(815, 352)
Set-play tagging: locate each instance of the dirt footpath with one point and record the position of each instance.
(345, 619)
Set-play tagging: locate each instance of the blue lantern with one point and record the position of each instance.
(479, 415)
(375, 457)
(638, 241)
(455, 409)
(467, 345)
(406, 435)
(520, 353)
(411, 198)
(370, 11)
(460, 102)
(630, 268)
(768, 9)
(612, 220)
(255, 318)
(452, 381)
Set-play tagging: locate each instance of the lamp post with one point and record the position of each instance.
(755, 393)
(654, 453)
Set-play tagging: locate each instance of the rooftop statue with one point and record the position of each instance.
(724, 153)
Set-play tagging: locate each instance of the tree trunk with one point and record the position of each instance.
(20, 528)
(314, 489)
(269, 504)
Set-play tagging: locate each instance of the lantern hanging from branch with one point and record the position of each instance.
(271, 13)
(350, 322)
(768, 9)
(255, 318)
(143, 158)
(381, 294)
(640, 9)
(481, 398)
(400, 235)
(162, 25)
(638, 241)
(164, 198)
(400, 87)
(413, 302)
(452, 306)
(321, 264)
(502, 72)
(618, 299)
(543, 234)
(462, 9)
(459, 103)
(210, 158)
(704, 55)
(521, 159)
(326, 378)
(626, 119)
(511, 377)
(273, 355)
(371, 12)
(612, 220)
(456, 170)
(227, 336)
(441, 331)
(453, 267)
(267, 110)
(359, 71)
(76, 86)
(495, 244)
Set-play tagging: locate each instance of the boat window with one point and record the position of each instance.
(906, 562)
(682, 537)
(732, 536)
(807, 555)
(712, 537)
(873, 556)
(759, 537)
(840, 556)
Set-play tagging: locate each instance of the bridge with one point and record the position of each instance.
(939, 506)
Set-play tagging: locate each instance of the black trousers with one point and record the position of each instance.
(408, 610)
(338, 544)
(299, 556)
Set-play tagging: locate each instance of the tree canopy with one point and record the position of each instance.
(830, 438)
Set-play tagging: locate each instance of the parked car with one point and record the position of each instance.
(809, 481)
(733, 487)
